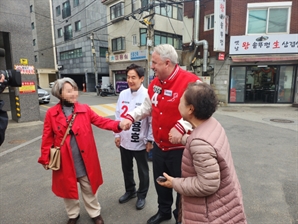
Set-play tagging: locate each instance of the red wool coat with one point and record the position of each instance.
(64, 182)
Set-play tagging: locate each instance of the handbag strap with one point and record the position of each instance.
(68, 128)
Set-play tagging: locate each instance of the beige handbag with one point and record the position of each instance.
(55, 157)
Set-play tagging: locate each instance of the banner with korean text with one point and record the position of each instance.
(264, 44)
(219, 25)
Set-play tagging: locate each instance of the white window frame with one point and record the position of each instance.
(269, 5)
(207, 18)
(121, 11)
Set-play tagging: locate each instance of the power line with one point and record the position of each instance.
(77, 37)
(83, 34)
(140, 10)
(45, 16)
(79, 11)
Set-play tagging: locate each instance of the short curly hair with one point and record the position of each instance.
(203, 98)
(58, 85)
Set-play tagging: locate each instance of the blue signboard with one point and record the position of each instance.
(121, 85)
(138, 55)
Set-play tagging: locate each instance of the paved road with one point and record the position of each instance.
(264, 152)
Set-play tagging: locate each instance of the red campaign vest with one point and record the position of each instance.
(165, 113)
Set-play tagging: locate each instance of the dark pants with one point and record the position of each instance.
(3, 122)
(143, 171)
(169, 162)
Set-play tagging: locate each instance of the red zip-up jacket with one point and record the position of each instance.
(163, 106)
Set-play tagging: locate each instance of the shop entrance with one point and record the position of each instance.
(120, 80)
(262, 84)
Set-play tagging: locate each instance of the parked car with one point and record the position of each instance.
(43, 95)
(51, 84)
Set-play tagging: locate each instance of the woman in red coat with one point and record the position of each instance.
(79, 158)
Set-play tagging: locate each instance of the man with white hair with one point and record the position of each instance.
(164, 93)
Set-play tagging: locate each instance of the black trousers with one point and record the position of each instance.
(3, 122)
(143, 171)
(169, 162)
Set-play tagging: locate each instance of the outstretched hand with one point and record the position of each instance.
(46, 167)
(2, 78)
(175, 136)
(149, 146)
(125, 124)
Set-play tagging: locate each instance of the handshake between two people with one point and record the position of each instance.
(175, 136)
(125, 124)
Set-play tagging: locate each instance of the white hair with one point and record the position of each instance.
(167, 51)
(58, 85)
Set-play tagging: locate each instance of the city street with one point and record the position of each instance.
(265, 156)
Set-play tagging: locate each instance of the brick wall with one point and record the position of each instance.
(237, 11)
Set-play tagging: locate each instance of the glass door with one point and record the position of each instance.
(237, 85)
(285, 84)
(260, 84)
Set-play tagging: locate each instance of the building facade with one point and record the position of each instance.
(252, 49)
(16, 53)
(81, 41)
(134, 28)
(42, 42)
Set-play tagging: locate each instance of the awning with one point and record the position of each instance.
(256, 58)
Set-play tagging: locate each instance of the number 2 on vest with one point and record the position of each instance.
(125, 109)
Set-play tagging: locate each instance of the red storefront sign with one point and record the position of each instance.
(221, 56)
(27, 87)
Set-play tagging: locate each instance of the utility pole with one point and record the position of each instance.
(149, 42)
(150, 32)
(94, 62)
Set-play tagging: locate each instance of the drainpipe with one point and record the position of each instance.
(196, 35)
(53, 39)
